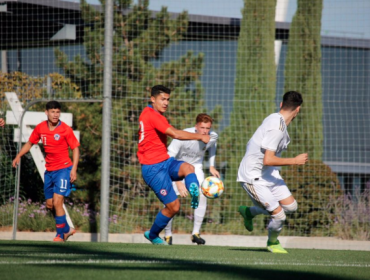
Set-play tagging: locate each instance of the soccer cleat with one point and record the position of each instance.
(195, 238)
(248, 218)
(194, 192)
(71, 232)
(155, 241)
(58, 238)
(276, 247)
(168, 239)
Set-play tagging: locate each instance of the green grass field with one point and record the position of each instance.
(77, 260)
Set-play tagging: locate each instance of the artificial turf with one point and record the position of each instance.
(83, 260)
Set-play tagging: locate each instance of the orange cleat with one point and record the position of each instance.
(58, 238)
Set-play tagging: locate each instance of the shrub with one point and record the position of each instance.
(33, 216)
(351, 214)
(313, 185)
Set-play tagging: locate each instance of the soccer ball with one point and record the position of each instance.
(212, 187)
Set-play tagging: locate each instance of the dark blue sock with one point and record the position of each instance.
(189, 179)
(160, 223)
(61, 225)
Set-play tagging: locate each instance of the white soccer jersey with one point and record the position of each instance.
(192, 151)
(271, 135)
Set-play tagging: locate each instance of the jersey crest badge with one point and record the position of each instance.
(163, 192)
(56, 137)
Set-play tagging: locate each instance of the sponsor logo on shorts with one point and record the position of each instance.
(163, 192)
(56, 137)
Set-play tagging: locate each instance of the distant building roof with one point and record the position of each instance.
(35, 22)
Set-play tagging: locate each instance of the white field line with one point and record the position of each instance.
(179, 262)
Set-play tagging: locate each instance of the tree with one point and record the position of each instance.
(255, 81)
(139, 39)
(303, 74)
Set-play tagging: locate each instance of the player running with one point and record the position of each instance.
(259, 175)
(158, 169)
(193, 152)
(57, 137)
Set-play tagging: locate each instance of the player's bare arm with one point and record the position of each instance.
(25, 149)
(271, 159)
(75, 158)
(184, 135)
(2, 122)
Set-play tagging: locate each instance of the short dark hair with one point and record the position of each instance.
(291, 100)
(204, 118)
(158, 89)
(53, 105)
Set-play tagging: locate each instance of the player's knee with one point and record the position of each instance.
(173, 208)
(290, 208)
(58, 203)
(49, 204)
(187, 168)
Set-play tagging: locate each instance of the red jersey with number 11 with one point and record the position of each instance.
(56, 143)
(152, 146)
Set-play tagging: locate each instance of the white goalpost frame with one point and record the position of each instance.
(280, 16)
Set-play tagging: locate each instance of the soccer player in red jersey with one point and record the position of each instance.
(57, 137)
(158, 169)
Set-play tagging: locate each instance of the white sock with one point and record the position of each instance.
(168, 228)
(255, 210)
(275, 226)
(199, 214)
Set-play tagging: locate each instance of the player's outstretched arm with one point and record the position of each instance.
(75, 159)
(271, 159)
(25, 149)
(184, 135)
(2, 122)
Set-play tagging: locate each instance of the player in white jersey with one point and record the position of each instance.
(192, 151)
(259, 175)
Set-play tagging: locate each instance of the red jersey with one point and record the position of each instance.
(56, 144)
(152, 146)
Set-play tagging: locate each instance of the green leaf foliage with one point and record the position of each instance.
(303, 74)
(255, 87)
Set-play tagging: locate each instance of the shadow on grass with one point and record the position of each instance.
(102, 258)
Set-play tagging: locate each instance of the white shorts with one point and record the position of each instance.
(200, 176)
(266, 192)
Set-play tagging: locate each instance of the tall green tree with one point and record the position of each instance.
(303, 74)
(255, 83)
(139, 39)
